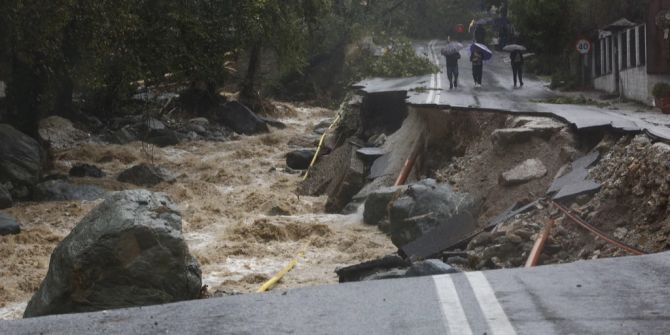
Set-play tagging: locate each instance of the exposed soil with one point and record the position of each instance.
(241, 216)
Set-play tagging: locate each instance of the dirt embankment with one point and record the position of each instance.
(241, 216)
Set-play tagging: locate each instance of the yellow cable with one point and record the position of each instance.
(318, 149)
(277, 277)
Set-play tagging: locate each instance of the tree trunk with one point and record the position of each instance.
(24, 90)
(248, 92)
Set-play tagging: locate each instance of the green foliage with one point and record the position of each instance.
(661, 90)
(399, 59)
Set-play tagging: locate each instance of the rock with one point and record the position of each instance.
(391, 266)
(430, 267)
(129, 251)
(304, 141)
(20, 159)
(163, 137)
(523, 173)
(377, 204)
(60, 133)
(86, 170)
(241, 119)
(145, 175)
(153, 124)
(344, 186)
(61, 190)
(6, 200)
(124, 135)
(300, 159)
(8, 225)
(424, 206)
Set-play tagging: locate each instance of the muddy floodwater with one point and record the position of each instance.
(241, 216)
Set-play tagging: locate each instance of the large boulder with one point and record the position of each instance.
(425, 205)
(145, 175)
(6, 200)
(60, 133)
(241, 119)
(20, 158)
(523, 173)
(129, 251)
(62, 190)
(8, 225)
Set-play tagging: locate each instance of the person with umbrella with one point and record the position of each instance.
(452, 54)
(478, 54)
(516, 58)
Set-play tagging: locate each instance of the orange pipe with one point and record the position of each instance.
(409, 164)
(536, 252)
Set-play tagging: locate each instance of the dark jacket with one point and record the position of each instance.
(452, 60)
(476, 59)
(517, 57)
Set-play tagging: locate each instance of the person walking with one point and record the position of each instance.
(477, 67)
(452, 67)
(516, 58)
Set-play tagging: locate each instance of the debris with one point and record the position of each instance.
(370, 154)
(424, 197)
(365, 270)
(440, 238)
(534, 256)
(524, 172)
(429, 267)
(342, 189)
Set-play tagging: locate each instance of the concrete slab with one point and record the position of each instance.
(441, 237)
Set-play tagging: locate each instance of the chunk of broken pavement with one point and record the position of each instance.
(429, 267)
(523, 173)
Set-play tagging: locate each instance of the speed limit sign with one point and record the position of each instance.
(583, 46)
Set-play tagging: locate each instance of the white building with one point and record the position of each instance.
(628, 59)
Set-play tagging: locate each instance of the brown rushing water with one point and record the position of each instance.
(226, 192)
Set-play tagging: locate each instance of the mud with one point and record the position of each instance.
(229, 194)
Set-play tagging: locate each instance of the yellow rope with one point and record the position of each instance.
(277, 277)
(318, 149)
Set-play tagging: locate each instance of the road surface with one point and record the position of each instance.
(629, 295)
(498, 94)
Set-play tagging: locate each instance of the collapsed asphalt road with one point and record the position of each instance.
(497, 94)
(614, 296)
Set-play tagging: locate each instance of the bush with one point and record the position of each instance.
(661, 90)
(399, 59)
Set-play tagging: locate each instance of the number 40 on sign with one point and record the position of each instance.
(583, 46)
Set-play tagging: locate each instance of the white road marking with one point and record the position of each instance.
(431, 92)
(451, 306)
(493, 312)
(439, 78)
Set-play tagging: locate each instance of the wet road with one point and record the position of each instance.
(629, 295)
(497, 94)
